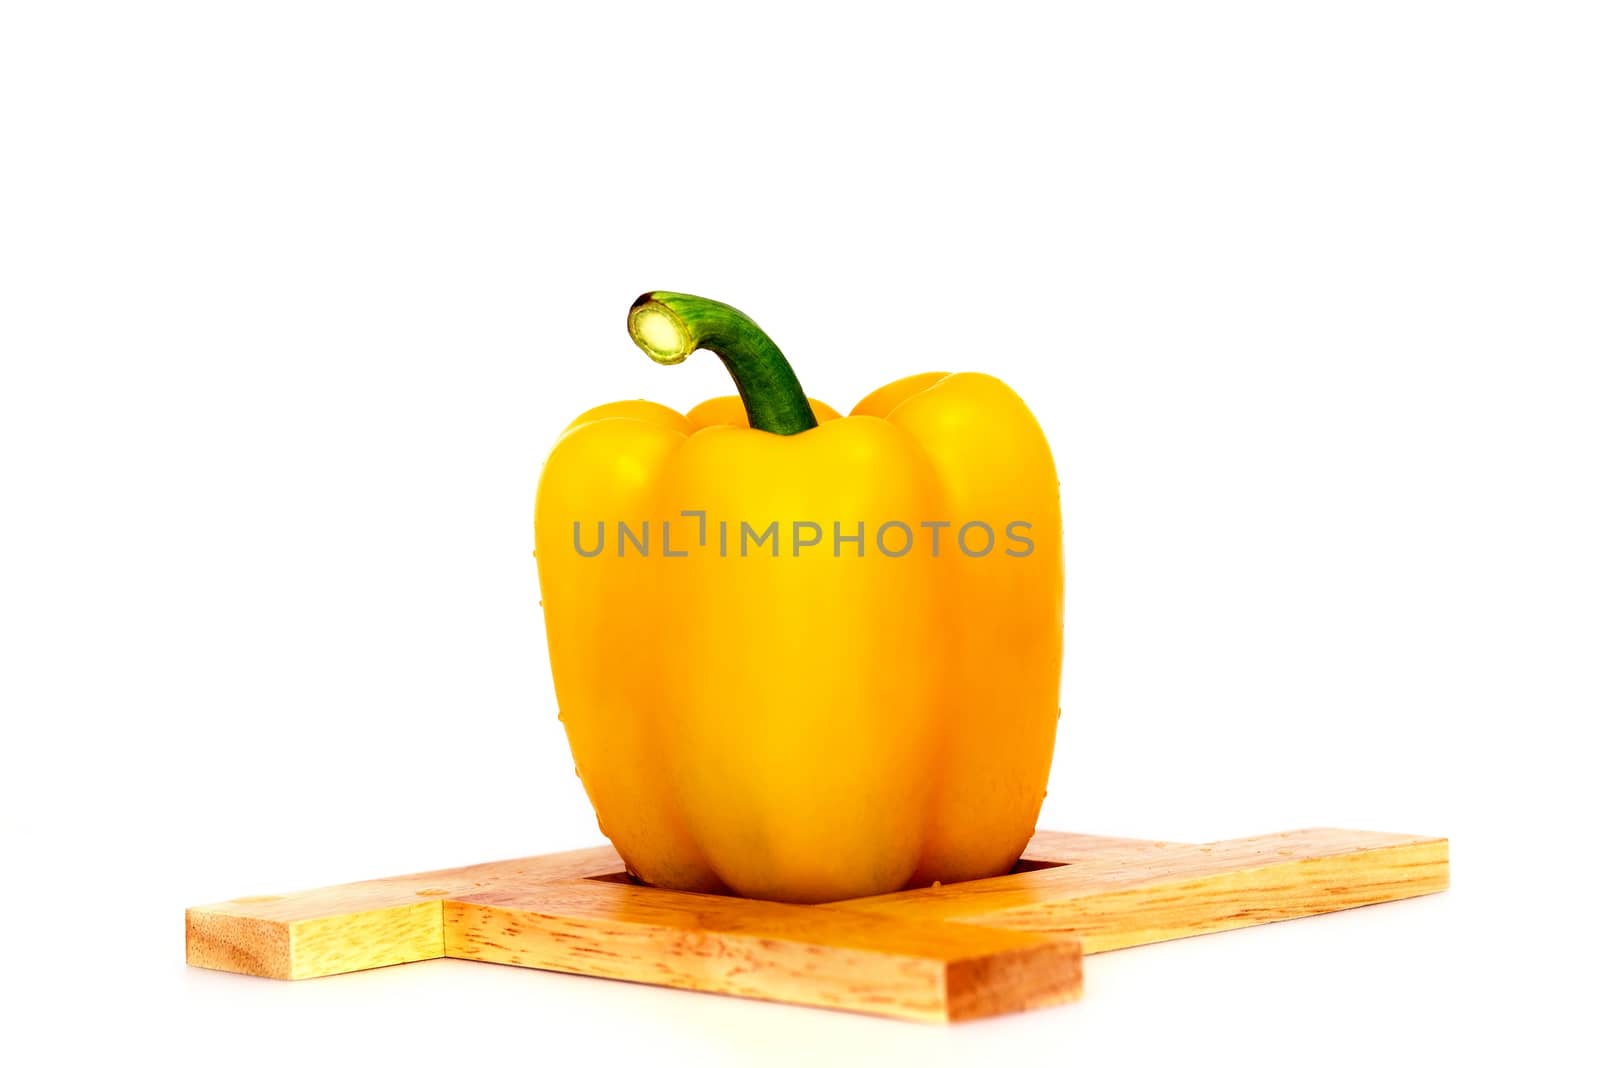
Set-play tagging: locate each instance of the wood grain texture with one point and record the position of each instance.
(939, 953)
(805, 955)
(1116, 893)
(368, 924)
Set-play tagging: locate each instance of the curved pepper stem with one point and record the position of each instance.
(669, 326)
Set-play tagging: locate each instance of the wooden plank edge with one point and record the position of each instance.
(239, 944)
(377, 938)
(1324, 884)
(771, 957)
(1247, 897)
(1014, 980)
(308, 949)
(350, 927)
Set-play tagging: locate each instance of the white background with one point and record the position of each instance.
(294, 298)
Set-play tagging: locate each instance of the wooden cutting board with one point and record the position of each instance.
(942, 953)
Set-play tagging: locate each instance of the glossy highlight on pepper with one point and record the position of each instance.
(804, 727)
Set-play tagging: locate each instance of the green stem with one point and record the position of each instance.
(669, 326)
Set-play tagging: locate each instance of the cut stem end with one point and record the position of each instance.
(661, 334)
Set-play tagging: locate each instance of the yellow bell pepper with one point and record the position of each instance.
(800, 656)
